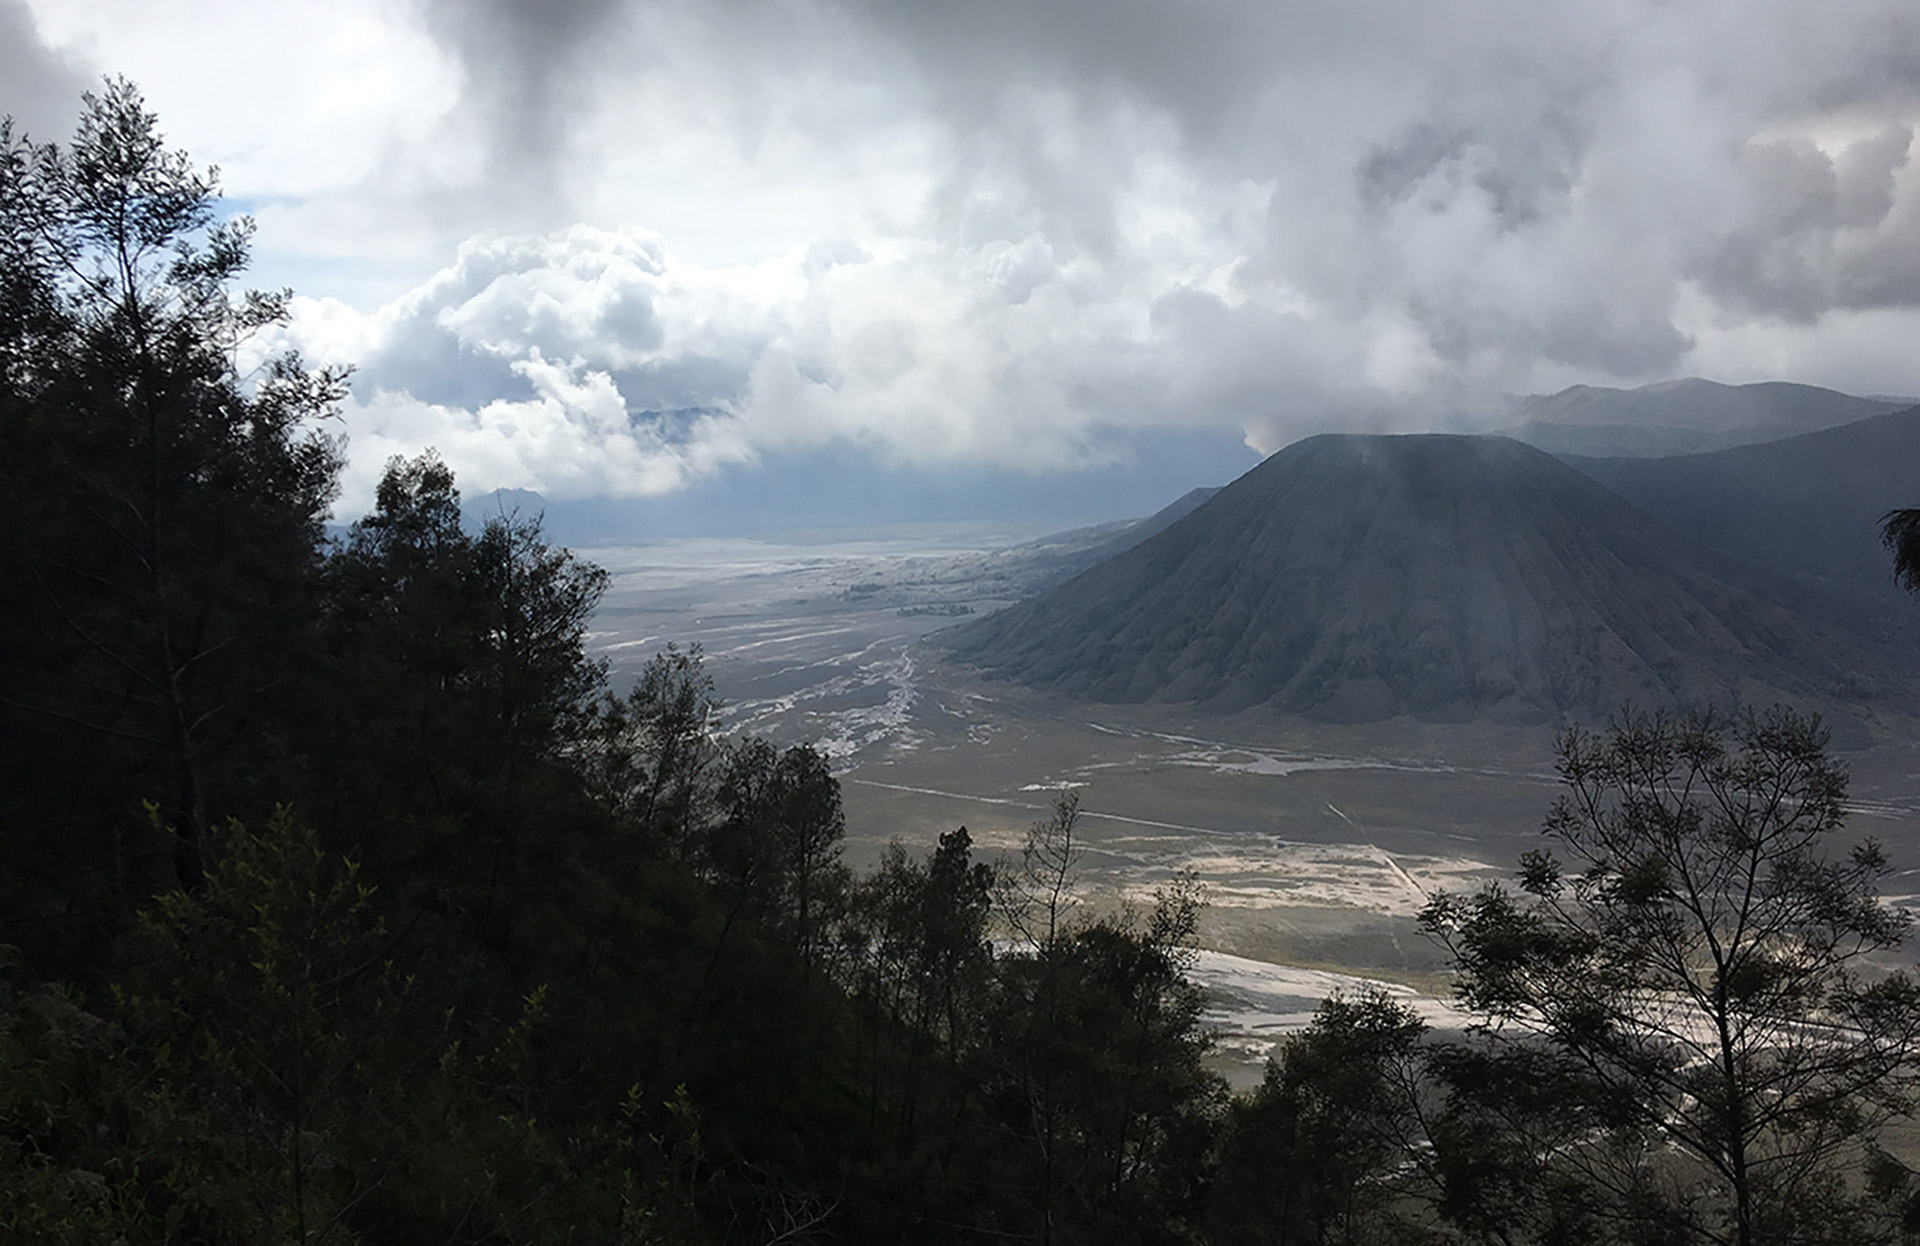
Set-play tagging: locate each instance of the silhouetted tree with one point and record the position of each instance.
(1706, 964)
(160, 504)
(1321, 1151)
(458, 691)
(918, 959)
(1524, 1144)
(776, 846)
(1094, 1056)
(651, 756)
(1900, 533)
(274, 1014)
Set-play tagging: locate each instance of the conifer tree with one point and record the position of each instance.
(161, 501)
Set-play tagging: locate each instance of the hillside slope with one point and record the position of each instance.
(1807, 505)
(1356, 578)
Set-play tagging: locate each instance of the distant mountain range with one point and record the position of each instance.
(1806, 506)
(1682, 417)
(1357, 578)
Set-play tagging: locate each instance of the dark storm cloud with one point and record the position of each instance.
(1526, 174)
(684, 382)
(1194, 57)
(39, 88)
(1492, 106)
(528, 65)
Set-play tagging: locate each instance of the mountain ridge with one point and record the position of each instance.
(1808, 505)
(1686, 416)
(1439, 576)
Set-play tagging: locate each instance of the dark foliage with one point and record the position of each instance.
(1900, 533)
(1319, 1152)
(159, 515)
(1699, 973)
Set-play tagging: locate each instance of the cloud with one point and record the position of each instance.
(1015, 231)
(43, 85)
(596, 362)
(1532, 184)
(528, 68)
(1822, 231)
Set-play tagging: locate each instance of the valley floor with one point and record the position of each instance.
(1316, 844)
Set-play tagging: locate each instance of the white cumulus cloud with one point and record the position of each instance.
(590, 361)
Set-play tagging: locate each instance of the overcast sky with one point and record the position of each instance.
(601, 248)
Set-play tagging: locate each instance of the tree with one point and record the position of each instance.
(1900, 533)
(458, 686)
(402, 633)
(650, 757)
(1094, 1059)
(1705, 963)
(160, 507)
(470, 645)
(776, 849)
(1319, 1151)
(918, 958)
(1521, 1143)
(951, 949)
(1037, 903)
(276, 1019)
(536, 602)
